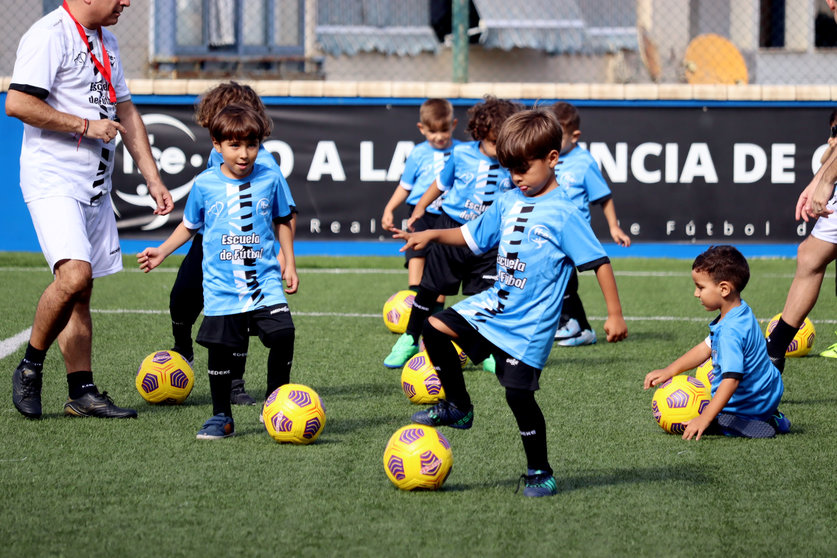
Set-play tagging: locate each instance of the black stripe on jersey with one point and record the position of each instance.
(515, 242)
(595, 264)
(519, 229)
(38, 92)
(522, 220)
(527, 209)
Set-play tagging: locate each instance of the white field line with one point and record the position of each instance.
(10, 345)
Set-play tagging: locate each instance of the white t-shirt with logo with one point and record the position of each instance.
(53, 64)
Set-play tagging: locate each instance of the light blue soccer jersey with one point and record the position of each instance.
(265, 158)
(537, 241)
(471, 182)
(580, 179)
(240, 270)
(739, 350)
(422, 167)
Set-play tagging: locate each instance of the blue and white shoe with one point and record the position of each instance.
(584, 337)
(217, 427)
(569, 329)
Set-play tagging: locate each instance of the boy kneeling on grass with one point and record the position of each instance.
(539, 236)
(747, 386)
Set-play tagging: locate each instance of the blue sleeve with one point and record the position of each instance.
(408, 177)
(730, 352)
(286, 190)
(448, 172)
(595, 184)
(578, 240)
(193, 213)
(484, 233)
(281, 208)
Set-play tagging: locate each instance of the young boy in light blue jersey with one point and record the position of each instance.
(537, 236)
(747, 387)
(581, 181)
(471, 181)
(423, 165)
(239, 205)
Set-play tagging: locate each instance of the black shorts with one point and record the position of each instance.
(510, 372)
(448, 267)
(427, 221)
(234, 330)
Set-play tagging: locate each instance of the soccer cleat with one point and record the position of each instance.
(217, 427)
(238, 396)
(490, 365)
(445, 413)
(779, 362)
(568, 329)
(830, 352)
(585, 337)
(26, 391)
(732, 425)
(537, 484)
(780, 422)
(98, 405)
(403, 350)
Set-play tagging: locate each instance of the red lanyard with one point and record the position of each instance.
(105, 68)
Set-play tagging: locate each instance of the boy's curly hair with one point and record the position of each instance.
(724, 263)
(228, 93)
(486, 118)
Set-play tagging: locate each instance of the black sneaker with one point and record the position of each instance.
(238, 396)
(732, 425)
(537, 484)
(96, 405)
(26, 391)
(445, 413)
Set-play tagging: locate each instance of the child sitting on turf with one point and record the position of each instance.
(580, 179)
(239, 204)
(471, 181)
(537, 236)
(424, 164)
(746, 387)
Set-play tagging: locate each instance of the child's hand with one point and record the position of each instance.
(417, 241)
(615, 328)
(696, 427)
(387, 220)
(417, 214)
(291, 280)
(619, 237)
(149, 258)
(654, 378)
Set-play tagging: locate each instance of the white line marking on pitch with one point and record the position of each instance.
(10, 345)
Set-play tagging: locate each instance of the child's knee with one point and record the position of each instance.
(282, 337)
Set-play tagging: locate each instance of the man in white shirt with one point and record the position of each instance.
(69, 90)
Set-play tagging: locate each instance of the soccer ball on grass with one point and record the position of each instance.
(705, 373)
(678, 401)
(294, 414)
(420, 382)
(418, 457)
(397, 310)
(164, 377)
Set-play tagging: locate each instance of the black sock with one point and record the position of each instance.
(413, 288)
(182, 333)
(79, 383)
(445, 360)
(779, 339)
(422, 305)
(34, 358)
(220, 379)
(280, 359)
(532, 426)
(238, 362)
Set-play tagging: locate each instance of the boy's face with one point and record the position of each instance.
(438, 134)
(568, 139)
(239, 156)
(539, 177)
(710, 293)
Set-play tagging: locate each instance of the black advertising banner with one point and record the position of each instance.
(714, 173)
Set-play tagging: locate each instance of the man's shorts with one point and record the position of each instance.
(510, 372)
(70, 230)
(446, 267)
(825, 228)
(234, 330)
(427, 221)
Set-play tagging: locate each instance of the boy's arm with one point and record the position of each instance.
(285, 234)
(696, 426)
(813, 199)
(419, 240)
(828, 150)
(432, 193)
(614, 326)
(399, 196)
(618, 235)
(150, 258)
(693, 358)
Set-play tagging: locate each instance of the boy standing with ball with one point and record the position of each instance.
(747, 387)
(539, 236)
(240, 205)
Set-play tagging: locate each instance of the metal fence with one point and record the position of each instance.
(768, 42)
